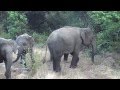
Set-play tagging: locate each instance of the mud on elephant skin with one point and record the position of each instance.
(26, 43)
(69, 40)
(7, 48)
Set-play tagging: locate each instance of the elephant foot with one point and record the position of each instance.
(66, 61)
(57, 69)
(7, 76)
(73, 66)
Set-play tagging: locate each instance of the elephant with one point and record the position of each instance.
(7, 48)
(69, 40)
(26, 43)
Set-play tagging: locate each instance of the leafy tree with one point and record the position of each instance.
(16, 23)
(36, 21)
(109, 37)
(106, 24)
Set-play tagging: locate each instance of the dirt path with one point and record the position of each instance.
(104, 68)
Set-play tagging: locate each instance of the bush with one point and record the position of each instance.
(16, 23)
(40, 38)
(109, 37)
(5, 35)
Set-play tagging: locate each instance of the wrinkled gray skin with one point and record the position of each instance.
(26, 44)
(7, 48)
(69, 40)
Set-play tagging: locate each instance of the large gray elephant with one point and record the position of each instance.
(7, 48)
(26, 43)
(69, 40)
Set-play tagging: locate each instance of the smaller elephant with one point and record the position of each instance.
(69, 40)
(7, 48)
(26, 43)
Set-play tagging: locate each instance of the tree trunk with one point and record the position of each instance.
(88, 22)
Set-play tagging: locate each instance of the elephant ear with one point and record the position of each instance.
(13, 45)
(84, 37)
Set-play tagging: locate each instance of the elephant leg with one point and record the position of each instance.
(56, 63)
(8, 64)
(66, 57)
(51, 57)
(74, 61)
(23, 59)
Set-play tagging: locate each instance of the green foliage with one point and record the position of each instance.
(36, 21)
(2, 33)
(109, 37)
(63, 18)
(3, 16)
(5, 35)
(72, 18)
(16, 23)
(40, 39)
(51, 20)
(55, 19)
(42, 23)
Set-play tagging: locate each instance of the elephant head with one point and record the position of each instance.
(14, 45)
(26, 43)
(88, 39)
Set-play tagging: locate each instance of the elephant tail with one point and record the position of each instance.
(18, 56)
(44, 59)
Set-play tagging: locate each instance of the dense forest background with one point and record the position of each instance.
(39, 24)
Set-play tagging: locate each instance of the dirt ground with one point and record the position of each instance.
(105, 67)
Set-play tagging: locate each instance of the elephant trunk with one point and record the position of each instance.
(20, 50)
(18, 56)
(93, 50)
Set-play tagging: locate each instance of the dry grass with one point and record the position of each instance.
(102, 69)
(105, 67)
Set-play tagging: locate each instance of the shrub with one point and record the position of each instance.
(16, 23)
